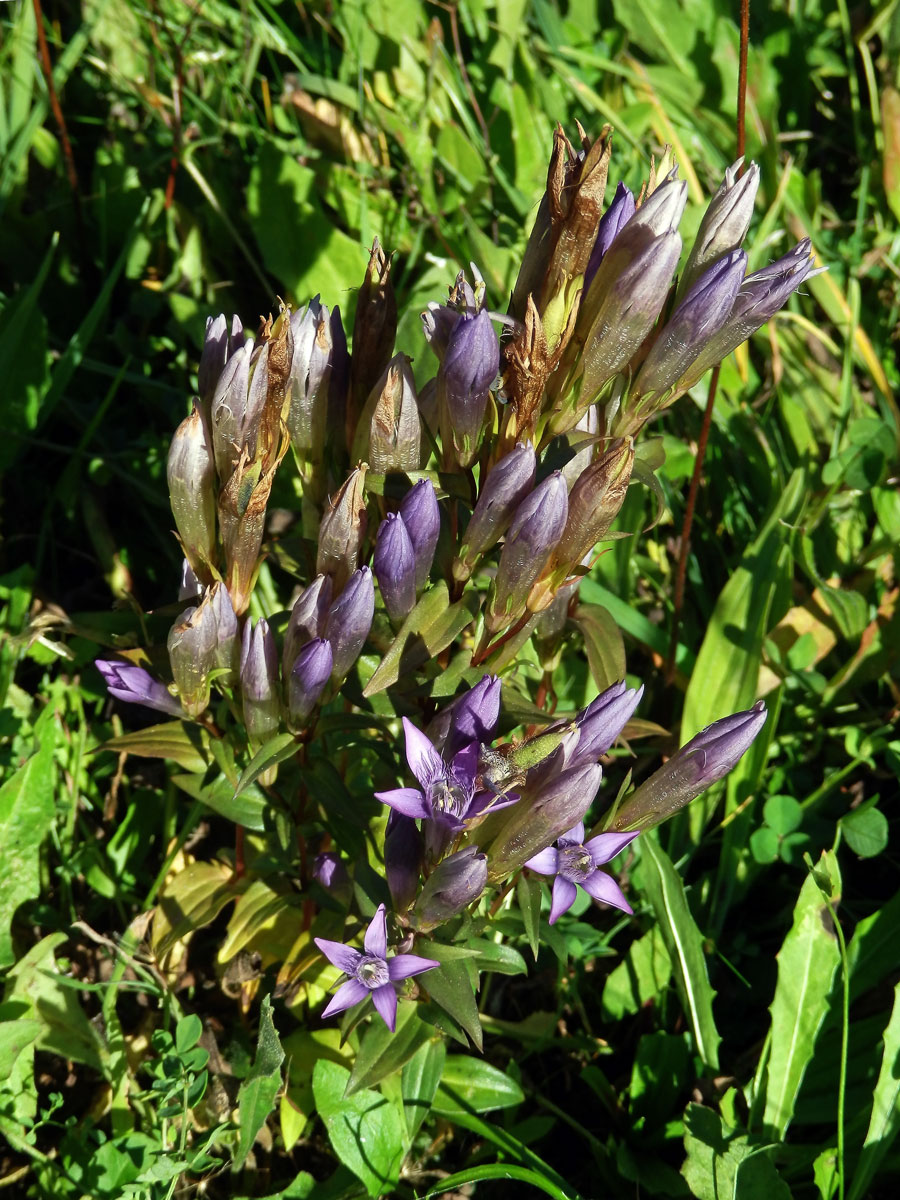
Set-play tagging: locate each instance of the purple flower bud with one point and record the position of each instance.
(309, 674)
(663, 208)
(454, 884)
(311, 365)
(191, 474)
(134, 685)
(403, 853)
(342, 530)
(620, 211)
(702, 313)
(594, 503)
(474, 716)
(394, 564)
(725, 222)
(535, 530)
(762, 294)
(229, 408)
(307, 620)
(349, 621)
(506, 486)
(227, 653)
(259, 681)
(438, 322)
(212, 357)
(705, 759)
(464, 382)
(329, 871)
(598, 725)
(422, 518)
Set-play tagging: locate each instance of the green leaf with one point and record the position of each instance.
(473, 1084)
(500, 1171)
(419, 1082)
(430, 628)
(183, 743)
(603, 644)
(807, 962)
(24, 361)
(247, 809)
(275, 751)
(366, 1131)
(497, 957)
(188, 1032)
(192, 898)
(257, 909)
(256, 1098)
(684, 943)
(722, 1162)
(643, 973)
(452, 986)
(528, 895)
(783, 814)
(15, 1037)
(382, 1052)
(884, 1121)
(764, 845)
(866, 831)
(26, 815)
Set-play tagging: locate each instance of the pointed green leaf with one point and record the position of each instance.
(382, 1052)
(452, 986)
(247, 809)
(528, 895)
(884, 1122)
(419, 1082)
(481, 1087)
(603, 644)
(365, 1130)
(275, 751)
(183, 743)
(256, 1098)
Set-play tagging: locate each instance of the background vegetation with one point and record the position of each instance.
(212, 156)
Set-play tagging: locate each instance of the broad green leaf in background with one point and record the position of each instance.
(26, 815)
(192, 898)
(419, 1082)
(603, 644)
(475, 1083)
(183, 743)
(452, 986)
(365, 1130)
(256, 912)
(684, 944)
(247, 808)
(722, 1162)
(504, 1171)
(382, 1052)
(256, 1098)
(275, 751)
(884, 1122)
(528, 895)
(641, 975)
(866, 830)
(807, 962)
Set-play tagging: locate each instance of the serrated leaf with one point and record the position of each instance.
(477, 1084)
(430, 628)
(807, 962)
(684, 944)
(247, 809)
(381, 1052)
(275, 751)
(256, 1098)
(452, 987)
(182, 743)
(366, 1131)
(26, 815)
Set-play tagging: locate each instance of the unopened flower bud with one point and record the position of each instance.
(506, 486)
(229, 408)
(705, 759)
(663, 208)
(454, 884)
(342, 530)
(311, 364)
(212, 357)
(394, 564)
(307, 620)
(309, 674)
(191, 475)
(192, 645)
(330, 873)
(474, 716)
(619, 213)
(374, 330)
(725, 222)
(535, 530)
(422, 517)
(389, 432)
(598, 725)
(226, 626)
(134, 685)
(259, 681)
(349, 621)
(464, 382)
(403, 853)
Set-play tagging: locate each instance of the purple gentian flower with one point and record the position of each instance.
(134, 685)
(573, 861)
(371, 972)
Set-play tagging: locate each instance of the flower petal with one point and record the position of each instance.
(342, 956)
(545, 862)
(573, 836)
(346, 996)
(490, 802)
(401, 966)
(375, 940)
(424, 761)
(385, 1000)
(406, 801)
(563, 897)
(603, 887)
(605, 846)
(465, 764)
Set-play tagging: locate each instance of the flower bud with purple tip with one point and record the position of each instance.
(662, 210)
(228, 410)
(389, 432)
(404, 850)
(307, 620)
(191, 475)
(311, 365)
(703, 761)
(228, 651)
(724, 224)
(134, 685)
(259, 682)
(422, 518)
(394, 564)
(349, 621)
(464, 382)
(508, 483)
(454, 884)
(309, 674)
(342, 530)
(212, 357)
(620, 211)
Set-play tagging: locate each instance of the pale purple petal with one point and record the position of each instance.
(603, 887)
(424, 761)
(605, 846)
(342, 956)
(563, 897)
(375, 940)
(385, 1000)
(401, 966)
(544, 863)
(346, 996)
(406, 801)
(573, 836)
(490, 802)
(465, 764)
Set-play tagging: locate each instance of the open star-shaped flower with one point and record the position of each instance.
(370, 971)
(575, 863)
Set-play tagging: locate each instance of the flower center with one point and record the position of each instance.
(372, 971)
(448, 798)
(575, 863)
